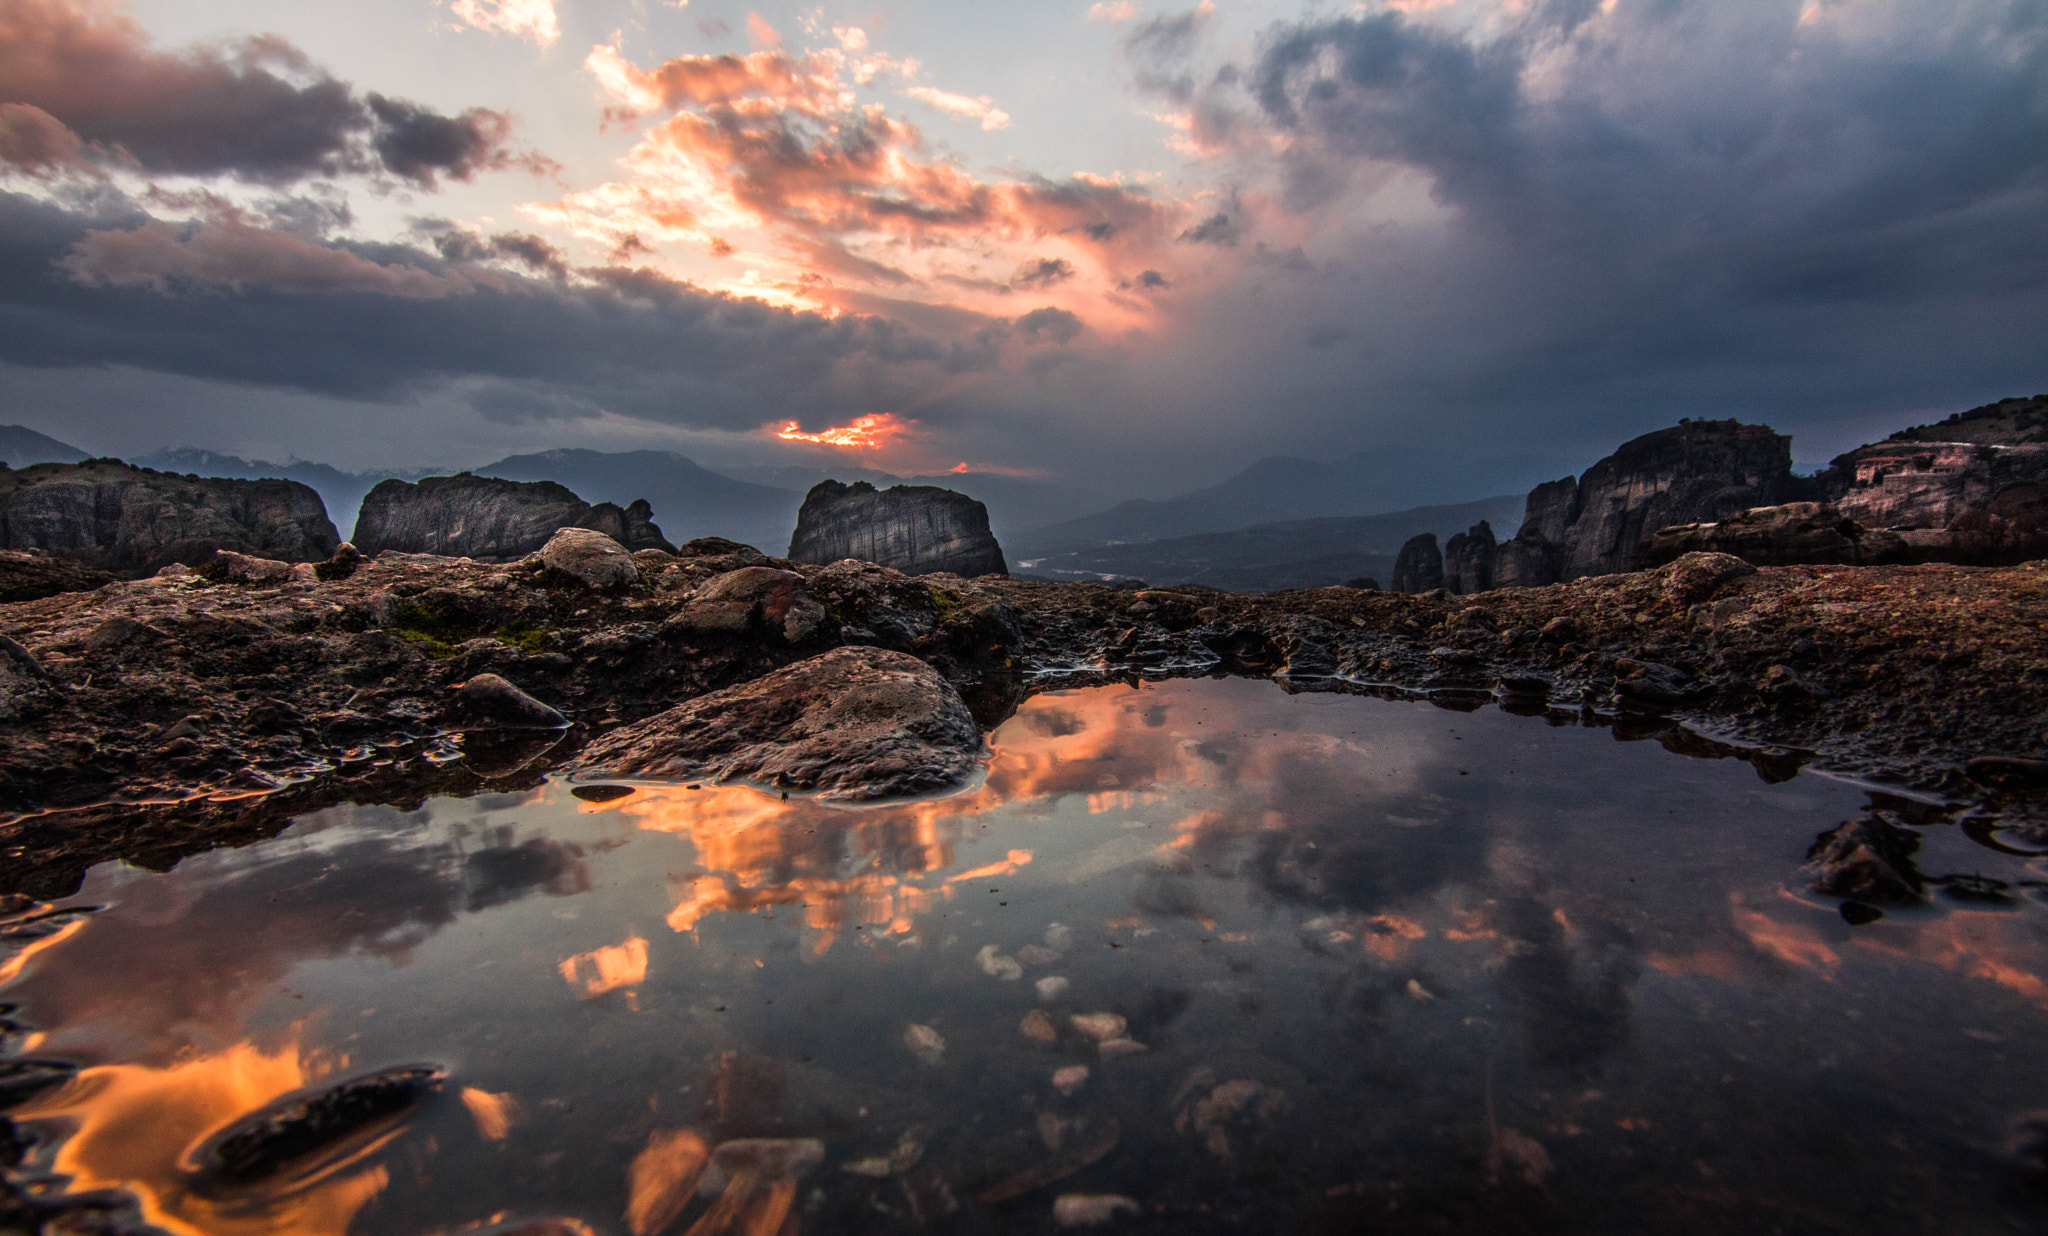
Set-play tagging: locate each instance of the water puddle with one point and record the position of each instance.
(1196, 956)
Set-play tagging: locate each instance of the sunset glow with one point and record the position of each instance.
(863, 433)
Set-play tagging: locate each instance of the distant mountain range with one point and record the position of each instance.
(1278, 489)
(1303, 553)
(21, 446)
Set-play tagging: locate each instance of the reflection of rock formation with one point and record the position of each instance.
(371, 895)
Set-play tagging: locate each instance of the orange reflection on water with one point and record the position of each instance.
(1986, 944)
(607, 969)
(134, 1125)
(872, 867)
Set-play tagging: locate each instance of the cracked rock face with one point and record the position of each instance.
(465, 516)
(917, 529)
(112, 516)
(852, 724)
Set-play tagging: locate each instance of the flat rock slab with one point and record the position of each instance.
(851, 725)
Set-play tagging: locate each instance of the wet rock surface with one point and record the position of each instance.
(854, 723)
(178, 687)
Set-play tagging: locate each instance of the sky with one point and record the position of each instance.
(1119, 244)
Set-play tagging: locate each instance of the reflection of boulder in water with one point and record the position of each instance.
(304, 1135)
(743, 1096)
(497, 755)
(1573, 1002)
(505, 872)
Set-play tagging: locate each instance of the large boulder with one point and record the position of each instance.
(109, 515)
(917, 529)
(465, 516)
(1795, 534)
(754, 599)
(592, 557)
(852, 724)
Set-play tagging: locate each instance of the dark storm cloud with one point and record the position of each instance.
(1217, 229)
(461, 245)
(1766, 208)
(1042, 273)
(228, 300)
(256, 109)
(419, 143)
(1055, 324)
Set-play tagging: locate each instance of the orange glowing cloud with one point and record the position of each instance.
(863, 433)
(772, 163)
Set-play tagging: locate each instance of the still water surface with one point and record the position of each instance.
(1197, 956)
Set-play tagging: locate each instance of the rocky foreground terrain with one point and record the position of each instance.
(236, 695)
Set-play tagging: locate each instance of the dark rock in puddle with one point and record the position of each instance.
(22, 1080)
(301, 1135)
(2008, 773)
(1868, 859)
(1651, 685)
(1860, 914)
(851, 724)
(1527, 686)
(497, 754)
(602, 793)
(489, 702)
(1977, 890)
(748, 599)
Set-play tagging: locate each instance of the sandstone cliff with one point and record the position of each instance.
(116, 517)
(467, 516)
(1468, 560)
(1695, 472)
(917, 529)
(1420, 565)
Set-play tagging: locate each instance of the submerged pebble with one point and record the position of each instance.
(1090, 1209)
(1101, 1027)
(1037, 1027)
(928, 1045)
(995, 965)
(1070, 1078)
(1052, 987)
